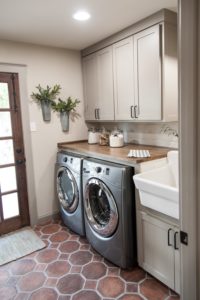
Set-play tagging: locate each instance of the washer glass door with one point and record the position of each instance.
(67, 189)
(100, 207)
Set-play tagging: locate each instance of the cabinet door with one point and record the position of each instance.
(123, 79)
(90, 85)
(158, 256)
(105, 84)
(147, 73)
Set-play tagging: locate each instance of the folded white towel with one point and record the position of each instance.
(139, 153)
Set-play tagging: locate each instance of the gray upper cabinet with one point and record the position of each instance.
(123, 79)
(98, 85)
(105, 84)
(90, 84)
(147, 74)
(134, 78)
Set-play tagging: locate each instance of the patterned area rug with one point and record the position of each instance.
(18, 244)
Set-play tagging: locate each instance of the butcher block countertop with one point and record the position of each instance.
(114, 154)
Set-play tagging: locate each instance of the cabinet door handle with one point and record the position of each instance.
(136, 111)
(175, 240)
(95, 113)
(168, 237)
(132, 112)
(98, 114)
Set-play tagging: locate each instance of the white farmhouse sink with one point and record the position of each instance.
(158, 189)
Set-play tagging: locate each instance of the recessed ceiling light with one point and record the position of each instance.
(81, 15)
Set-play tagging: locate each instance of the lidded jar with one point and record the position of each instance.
(104, 137)
(93, 136)
(116, 138)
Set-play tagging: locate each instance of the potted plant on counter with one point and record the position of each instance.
(45, 97)
(64, 107)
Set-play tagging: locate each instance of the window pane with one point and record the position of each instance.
(4, 96)
(6, 152)
(10, 205)
(8, 179)
(5, 124)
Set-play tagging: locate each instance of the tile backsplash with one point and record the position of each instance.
(144, 133)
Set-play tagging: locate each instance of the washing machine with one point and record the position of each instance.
(69, 190)
(109, 207)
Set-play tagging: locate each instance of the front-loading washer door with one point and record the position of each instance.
(67, 190)
(100, 207)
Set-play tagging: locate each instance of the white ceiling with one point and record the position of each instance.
(50, 22)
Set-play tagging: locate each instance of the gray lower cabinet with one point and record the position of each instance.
(158, 247)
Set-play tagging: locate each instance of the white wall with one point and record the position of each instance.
(50, 66)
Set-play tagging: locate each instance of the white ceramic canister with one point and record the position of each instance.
(116, 139)
(93, 136)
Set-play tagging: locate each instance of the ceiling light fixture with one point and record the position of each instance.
(81, 15)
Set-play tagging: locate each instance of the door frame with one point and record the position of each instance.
(24, 100)
(189, 145)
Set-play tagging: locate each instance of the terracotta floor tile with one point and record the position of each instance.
(51, 282)
(153, 290)
(111, 287)
(7, 293)
(51, 228)
(69, 246)
(80, 273)
(60, 236)
(31, 281)
(47, 256)
(131, 287)
(22, 296)
(131, 297)
(90, 285)
(94, 270)
(58, 268)
(4, 276)
(23, 266)
(134, 275)
(80, 258)
(87, 295)
(70, 284)
(44, 294)
(113, 271)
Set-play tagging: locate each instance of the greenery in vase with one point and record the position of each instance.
(65, 105)
(47, 94)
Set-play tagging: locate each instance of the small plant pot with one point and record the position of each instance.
(64, 120)
(46, 110)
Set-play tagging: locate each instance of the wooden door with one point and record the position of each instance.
(123, 79)
(105, 84)
(14, 212)
(147, 73)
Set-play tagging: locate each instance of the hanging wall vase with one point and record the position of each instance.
(46, 110)
(64, 119)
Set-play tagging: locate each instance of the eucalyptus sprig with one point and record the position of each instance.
(47, 94)
(65, 105)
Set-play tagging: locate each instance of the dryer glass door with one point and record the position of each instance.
(67, 189)
(100, 207)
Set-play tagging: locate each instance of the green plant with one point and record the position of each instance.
(48, 95)
(65, 105)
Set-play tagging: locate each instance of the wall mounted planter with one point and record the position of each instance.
(46, 110)
(64, 120)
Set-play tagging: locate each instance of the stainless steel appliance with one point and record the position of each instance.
(109, 206)
(69, 190)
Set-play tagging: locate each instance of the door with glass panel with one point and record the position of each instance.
(14, 212)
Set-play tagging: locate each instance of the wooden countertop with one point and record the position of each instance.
(113, 154)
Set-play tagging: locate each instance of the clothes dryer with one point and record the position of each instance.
(109, 207)
(69, 190)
